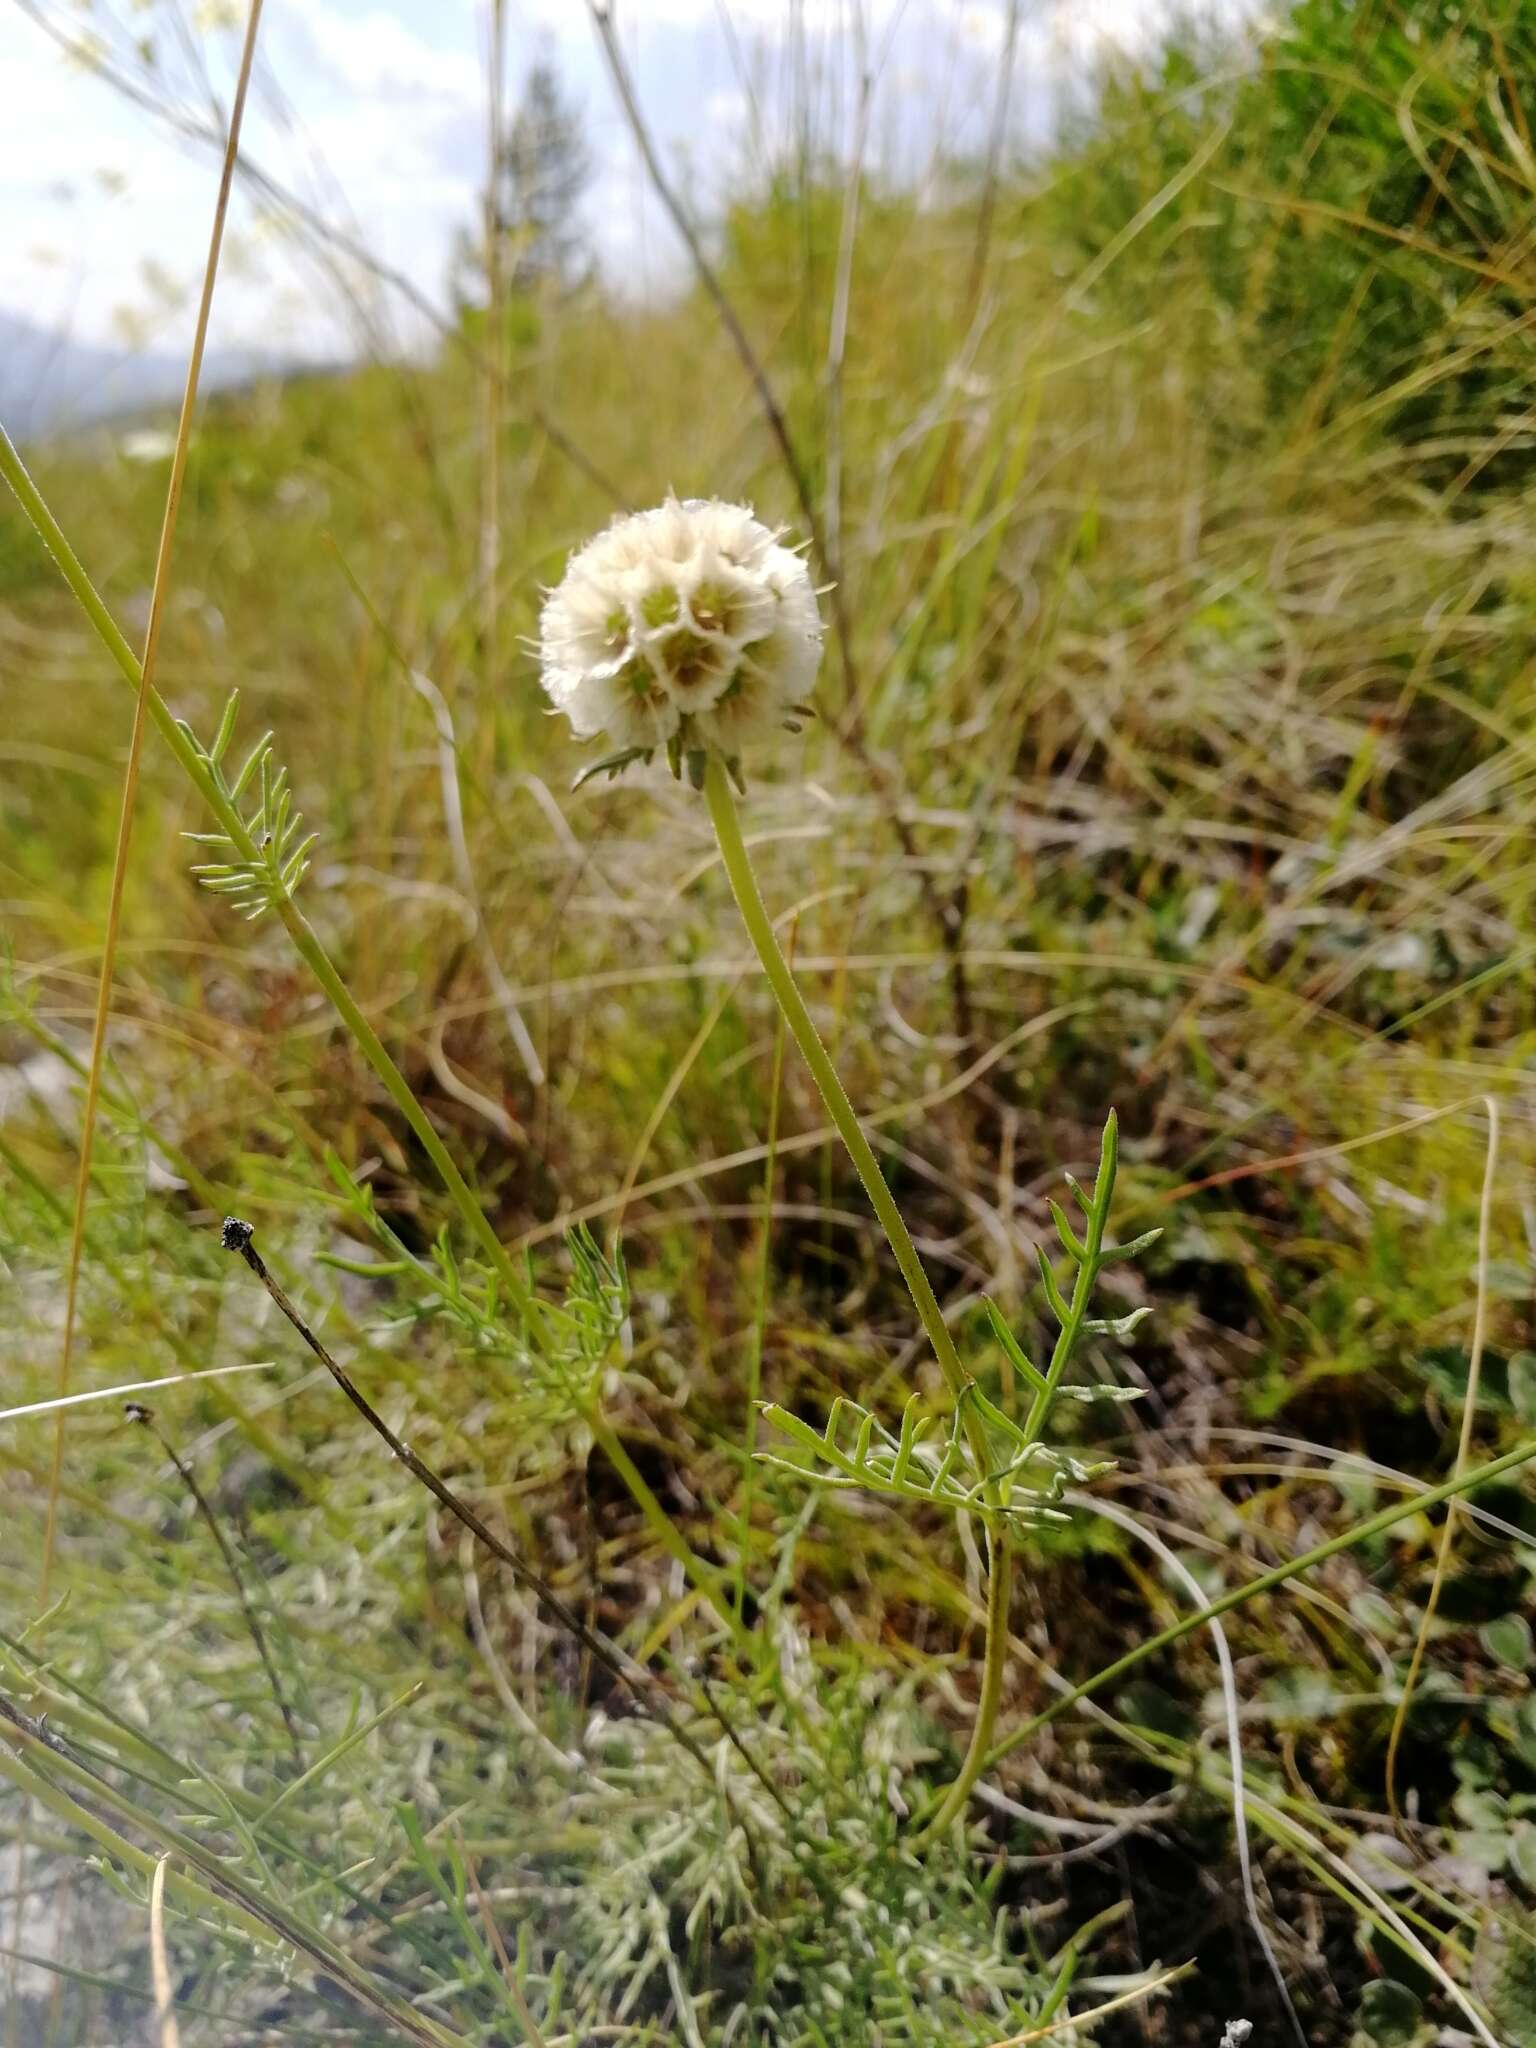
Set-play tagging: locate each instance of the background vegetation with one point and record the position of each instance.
(1175, 754)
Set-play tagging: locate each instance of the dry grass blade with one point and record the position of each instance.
(1075, 2022)
(157, 599)
(1463, 1451)
(159, 1961)
(493, 1934)
(94, 1394)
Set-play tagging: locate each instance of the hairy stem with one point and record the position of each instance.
(802, 1028)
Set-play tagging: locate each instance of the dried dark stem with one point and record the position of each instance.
(741, 1749)
(136, 1411)
(238, 1237)
(773, 412)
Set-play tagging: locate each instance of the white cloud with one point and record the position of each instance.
(384, 133)
(376, 55)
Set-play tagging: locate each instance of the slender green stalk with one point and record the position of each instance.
(994, 1665)
(760, 1314)
(754, 914)
(660, 1523)
(300, 931)
(307, 944)
(1088, 1266)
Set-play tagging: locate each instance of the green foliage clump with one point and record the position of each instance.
(1356, 194)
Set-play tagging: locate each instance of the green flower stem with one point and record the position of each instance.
(307, 944)
(305, 940)
(660, 1523)
(754, 914)
(1267, 1582)
(999, 1587)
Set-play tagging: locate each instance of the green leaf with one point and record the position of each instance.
(226, 731)
(1508, 1641)
(1071, 1242)
(1522, 1384)
(1133, 1248)
(1116, 1326)
(1011, 1345)
(1053, 1293)
(612, 765)
(1388, 2013)
(1522, 1852)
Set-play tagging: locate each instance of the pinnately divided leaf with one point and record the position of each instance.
(282, 851)
(1024, 1476)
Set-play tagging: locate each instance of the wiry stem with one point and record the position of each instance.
(1463, 1455)
(136, 1411)
(994, 1666)
(754, 915)
(238, 1237)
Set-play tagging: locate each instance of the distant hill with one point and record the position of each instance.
(50, 382)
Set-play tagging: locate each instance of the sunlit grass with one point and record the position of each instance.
(1207, 731)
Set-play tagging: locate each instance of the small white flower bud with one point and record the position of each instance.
(689, 625)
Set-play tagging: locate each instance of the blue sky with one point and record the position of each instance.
(373, 112)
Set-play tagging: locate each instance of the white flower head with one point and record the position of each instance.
(688, 627)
